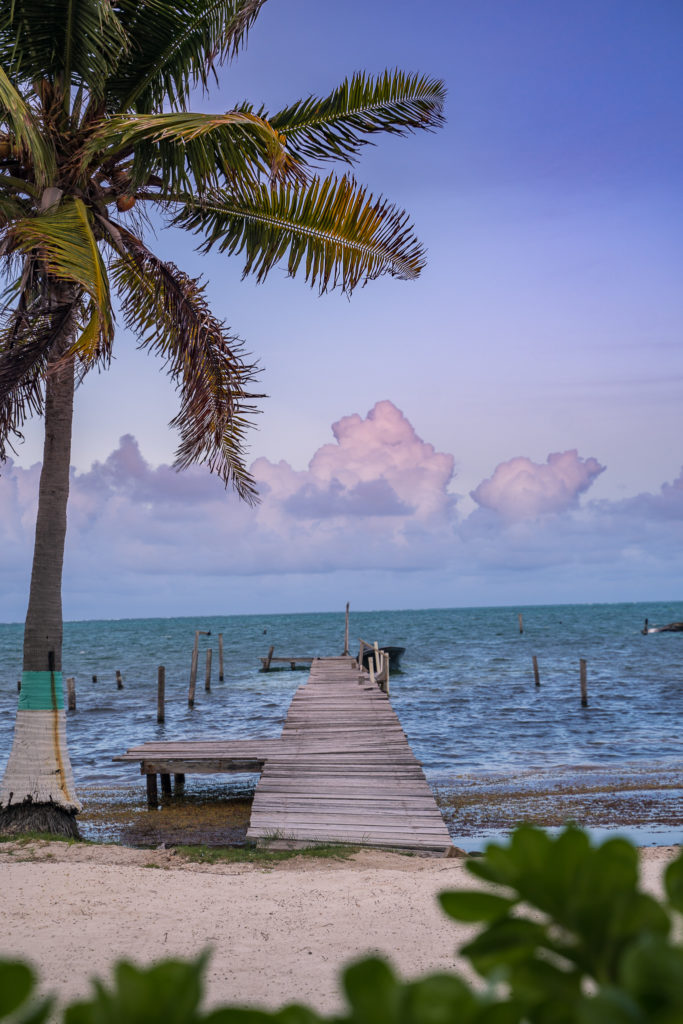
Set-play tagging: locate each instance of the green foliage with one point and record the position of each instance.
(570, 933)
(567, 938)
(17, 995)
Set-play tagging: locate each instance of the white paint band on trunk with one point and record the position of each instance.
(39, 768)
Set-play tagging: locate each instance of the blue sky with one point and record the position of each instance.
(547, 321)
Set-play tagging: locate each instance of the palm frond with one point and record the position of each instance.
(335, 128)
(193, 151)
(344, 236)
(64, 241)
(168, 312)
(61, 41)
(24, 130)
(26, 339)
(12, 208)
(175, 47)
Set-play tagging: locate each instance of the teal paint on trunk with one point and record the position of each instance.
(41, 691)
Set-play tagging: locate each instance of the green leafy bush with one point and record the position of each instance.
(567, 937)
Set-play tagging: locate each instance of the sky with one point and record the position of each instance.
(506, 429)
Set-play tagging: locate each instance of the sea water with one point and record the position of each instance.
(465, 694)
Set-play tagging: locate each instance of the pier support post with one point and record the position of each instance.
(179, 783)
(221, 677)
(537, 677)
(152, 794)
(207, 677)
(166, 785)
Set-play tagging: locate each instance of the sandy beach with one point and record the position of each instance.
(279, 933)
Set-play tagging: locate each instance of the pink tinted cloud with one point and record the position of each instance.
(377, 467)
(389, 509)
(522, 489)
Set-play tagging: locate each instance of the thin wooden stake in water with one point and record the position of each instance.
(584, 685)
(193, 676)
(521, 623)
(220, 658)
(537, 678)
(119, 680)
(161, 694)
(18, 685)
(346, 631)
(71, 693)
(207, 678)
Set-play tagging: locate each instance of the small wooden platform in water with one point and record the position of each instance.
(342, 770)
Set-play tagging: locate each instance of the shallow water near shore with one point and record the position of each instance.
(496, 748)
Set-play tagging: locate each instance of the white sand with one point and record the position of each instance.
(279, 934)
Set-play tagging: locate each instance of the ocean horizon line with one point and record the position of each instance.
(363, 611)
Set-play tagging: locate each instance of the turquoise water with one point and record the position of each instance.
(466, 695)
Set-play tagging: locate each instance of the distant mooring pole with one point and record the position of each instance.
(220, 658)
(584, 686)
(207, 677)
(161, 693)
(346, 631)
(521, 623)
(537, 678)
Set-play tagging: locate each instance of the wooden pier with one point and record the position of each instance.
(341, 772)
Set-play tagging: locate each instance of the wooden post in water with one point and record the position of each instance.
(18, 685)
(221, 677)
(346, 631)
(71, 693)
(94, 679)
(207, 677)
(584, 685)
(537, 678)
(166, 785)
(161, 693)
(193, 676)
(521, 622)
(119, 680)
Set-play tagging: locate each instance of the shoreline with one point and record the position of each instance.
(280, 931)
(641, 801)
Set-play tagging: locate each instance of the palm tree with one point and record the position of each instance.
(96, 140)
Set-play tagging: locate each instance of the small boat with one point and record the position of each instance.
(672, 627)
(394, 653)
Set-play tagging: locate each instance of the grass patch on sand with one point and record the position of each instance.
(258, 855)
(24, 838)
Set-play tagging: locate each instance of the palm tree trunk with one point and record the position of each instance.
(37, 793)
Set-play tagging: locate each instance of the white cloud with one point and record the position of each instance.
(522, 489)
(372, 505)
